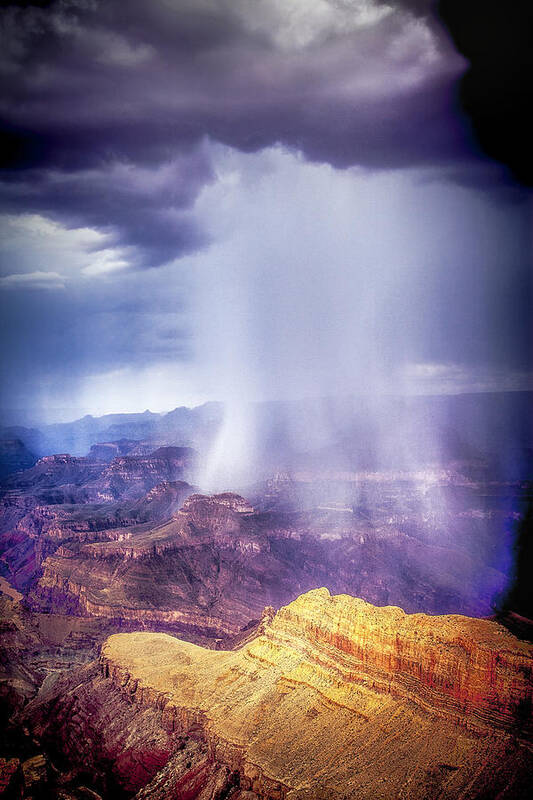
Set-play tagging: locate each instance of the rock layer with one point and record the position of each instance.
(33, 532)
(211, 569)
(473, 671)
(335, 699)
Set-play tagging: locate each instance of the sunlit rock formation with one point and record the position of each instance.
(335, 699)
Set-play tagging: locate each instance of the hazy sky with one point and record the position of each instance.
(245, 199)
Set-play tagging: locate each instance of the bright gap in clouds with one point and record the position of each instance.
(33, 245)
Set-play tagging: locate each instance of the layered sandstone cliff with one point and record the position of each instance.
(33, 532)
(205, 572)
(129, 477)
(334, 699)
(63, 498)
(472, 671)
(216, 563)
(422, 543)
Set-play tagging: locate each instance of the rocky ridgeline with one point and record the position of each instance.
(186, 575)
(61, 469)
(31, 531)
(65, 596)
(393, 544)
(129, 477)
(107, 451)
(473, 671)
(63, 497)
(64, 478)
(213, 566)
(334, 699)
(220, 514)
(202, 504)
(60, 523)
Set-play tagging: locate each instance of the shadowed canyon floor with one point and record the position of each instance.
(335, 699)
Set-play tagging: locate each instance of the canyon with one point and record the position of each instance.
(62, 497)
(160, 641)
(266, 430)
(206, 566)
(334, 698)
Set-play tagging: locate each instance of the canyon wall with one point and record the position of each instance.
(334, 699)
(473, 671)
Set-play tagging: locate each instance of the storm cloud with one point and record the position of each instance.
(284, 196)
(106, 105)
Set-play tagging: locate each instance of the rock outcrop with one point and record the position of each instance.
(130, 477)
(335, 699)
(66, 498)
(427, 541)
(198, 574)
(33, 532)
(125, 476)
(107, 451)
(35, 646)
(56, 470)
(211, 569)
(20, 676)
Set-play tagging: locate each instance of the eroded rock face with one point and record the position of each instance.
(63, 498)
(56, 470)
(107, 451)
(33, 532)
(432, 541)
(210, 569)
(335, 699)
(20, 677)
(34, 647)
(130, 477)
(473, 671)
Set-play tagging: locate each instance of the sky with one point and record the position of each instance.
(261, 199)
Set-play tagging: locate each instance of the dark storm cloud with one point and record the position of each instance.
(144, 210)
(111, 112)
(92, 85)
(140, 80)
(497, 90)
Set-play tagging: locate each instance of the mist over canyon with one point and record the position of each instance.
(126, 537)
